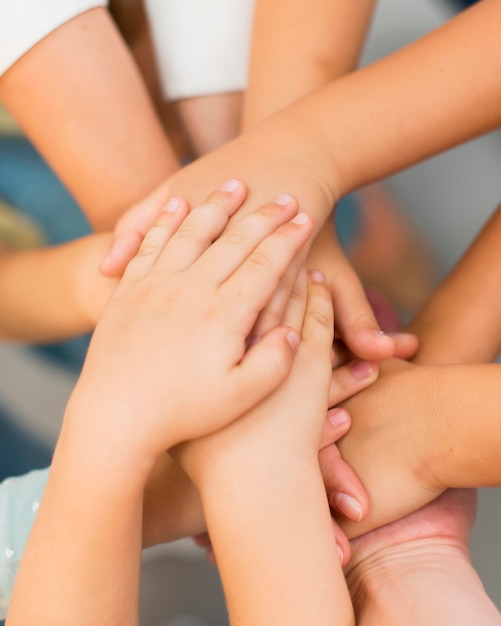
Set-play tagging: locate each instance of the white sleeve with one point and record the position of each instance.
(23, 23)
(201, 46)
(19, 501)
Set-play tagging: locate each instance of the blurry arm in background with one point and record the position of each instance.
(81, 100)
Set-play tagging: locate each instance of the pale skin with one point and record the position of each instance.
(89, 113)
(418, 569)
(354, 131)
(104, 457)
(446, 447)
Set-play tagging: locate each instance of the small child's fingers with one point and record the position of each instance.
(203, 225)
(273, 313)
(345, 492)
(342, 544)
(350, 379)
(336, 425)
(407, 345)
(295, 307)
(356, 324)
(252, 285)
(155, 240)
(318, 325)
(263, 369)
(129, 233)
(244, 234)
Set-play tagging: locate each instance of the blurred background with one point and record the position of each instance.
(412, 227)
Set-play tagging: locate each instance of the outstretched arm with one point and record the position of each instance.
(297, 48)
(265, 504)
(135, 398)
(50, 294)
(450, 389)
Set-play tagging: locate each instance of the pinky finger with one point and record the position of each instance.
(157, 237)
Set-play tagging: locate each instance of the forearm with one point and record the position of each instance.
(271, 531)
(79, 97)
(49, 294)
(431, 95)
(461, 320)
(87, 536)
(318, 41)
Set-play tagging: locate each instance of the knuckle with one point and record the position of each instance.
(233, 238)
(321, 318)
(261, 262)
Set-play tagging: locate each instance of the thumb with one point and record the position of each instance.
(264, 367)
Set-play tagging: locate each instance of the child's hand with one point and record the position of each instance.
(168, 360)
(391, 440)
(280, 438)
(269, 161)
(293, 417)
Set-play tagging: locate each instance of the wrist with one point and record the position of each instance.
(401, 571)
(101, 457)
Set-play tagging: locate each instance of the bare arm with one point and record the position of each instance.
(298, 47)
(50, 294)
(430, 96)
(79, 97)
(461, 320)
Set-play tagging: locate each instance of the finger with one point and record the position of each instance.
(295, 308)
(356, 324)
(336, 425)
(318, 325)
(345, 492)
(265, 366)
(250, 288)
(244, 234)
(129, 233)
(406, 345)
(155, 240)
(342, 543)
(273, 313)
(203, 225)
(350, 379)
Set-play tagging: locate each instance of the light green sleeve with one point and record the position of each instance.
(19, 501)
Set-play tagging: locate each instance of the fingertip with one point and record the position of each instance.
(113, 264)
(317, 276)
(293, 339)
(349, 506)
(339, 418)
(372, 345)
(364, 370)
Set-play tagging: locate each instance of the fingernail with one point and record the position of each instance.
(317, 277)
(383, 336)
(348, 506)
(293, 339)
(301, 218)
(172, 205)
(338, 417)
(232, 184)
(340, 552)
(284, 199)
(362, 369)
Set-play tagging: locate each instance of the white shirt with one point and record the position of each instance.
(201, 46)
(23, 23)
